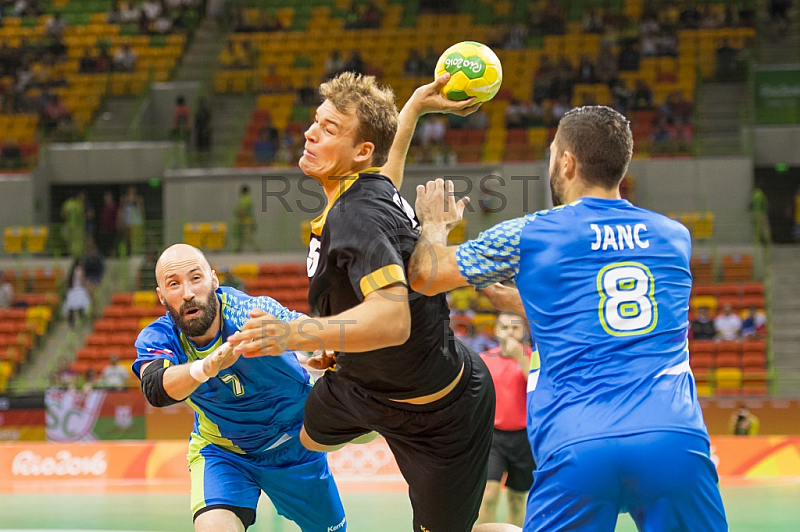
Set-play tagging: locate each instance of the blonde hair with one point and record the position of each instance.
(374, 106)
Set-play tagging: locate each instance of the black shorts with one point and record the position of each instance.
(442, 448)
(511, 453)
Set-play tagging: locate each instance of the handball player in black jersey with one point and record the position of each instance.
(397, 368)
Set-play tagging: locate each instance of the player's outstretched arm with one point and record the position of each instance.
(433, 267)
(164, 386)
(426, 99)
(383, 319)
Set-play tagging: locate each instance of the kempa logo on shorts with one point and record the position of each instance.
(337, 527)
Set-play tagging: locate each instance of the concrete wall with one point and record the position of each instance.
(777, 144)
(105, 162)
(16, 200)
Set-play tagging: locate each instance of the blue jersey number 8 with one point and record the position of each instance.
(627, 304)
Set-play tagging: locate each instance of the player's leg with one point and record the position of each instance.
(224, 493)
(329, 419)
(443, 453)
(496, 527)
(300, 485)
(672, 483)
(491, 497)
(520, 474)
(498, 465)
(576, 489)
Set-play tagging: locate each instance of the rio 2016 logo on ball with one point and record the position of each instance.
(474, 70)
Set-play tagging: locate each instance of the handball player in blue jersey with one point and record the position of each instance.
(613, 417)
(248, 411)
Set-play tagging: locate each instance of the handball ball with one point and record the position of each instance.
(474, 70)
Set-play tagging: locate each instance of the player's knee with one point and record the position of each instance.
(496, 527)
(311, 445)
(218, 520)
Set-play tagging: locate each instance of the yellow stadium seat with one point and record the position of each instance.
(245, 270)
(144, 322)
(192, 235)
(144, 298)
(728, 379)
(215, 238)
(12, 239)
(37, 238)
(305, 232)
(709, 302)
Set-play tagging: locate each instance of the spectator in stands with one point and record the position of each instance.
(245, 226)
(266, 146)
(54, 111)
(663, 133)
(181, 120)
(754, 325)
(87, 63)
(516, 37)
(779, 16)
(560, 108)
(728, 66)
(64, 376)
(77, 301)
(107, 231)
(710, 18)
(642, 96)
(73, 216)
(115, 375)
(131, 221)
(251, 53)
(743, 422)
(152, 9)
(433, 130)
(728, 324)
(690, 17)
(125, 59)
(164, 24)
(477, 120)
(430, 60)
(272, 83)
(103, 61)
(54, 27)
(6, 294)
(334, 65)
(592, 21)
(554, 18)
(413, 65)
(93, 265)
(649, 46)
(355, 63)
(586, 73)
(703, 326)
(371, 16)
(684, 135)
(515, 114)
(202, 126)
(307, 94)
(90, 381)
(10, 154)
(628, 58)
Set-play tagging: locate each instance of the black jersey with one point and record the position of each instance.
(362, 243)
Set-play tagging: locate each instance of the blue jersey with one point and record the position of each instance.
(605, 286)
(248, 407)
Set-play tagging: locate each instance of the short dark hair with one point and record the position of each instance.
(245, 189)
(601, 140)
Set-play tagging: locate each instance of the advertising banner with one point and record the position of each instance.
(777, 94)
(74, 415)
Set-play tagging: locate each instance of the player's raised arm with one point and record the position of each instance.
(436, 267)
(426, 99)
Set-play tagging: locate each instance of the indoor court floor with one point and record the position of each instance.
(750, 508)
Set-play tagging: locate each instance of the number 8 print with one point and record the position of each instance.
(627, 305)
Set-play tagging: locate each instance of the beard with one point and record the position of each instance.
(198, 326)
(556, 189)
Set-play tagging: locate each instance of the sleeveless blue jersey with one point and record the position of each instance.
(605, 286)
(250, 406)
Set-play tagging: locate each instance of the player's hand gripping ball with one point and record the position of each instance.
(475, 71)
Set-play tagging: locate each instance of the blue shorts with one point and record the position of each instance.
(297, 481)
(665, 480)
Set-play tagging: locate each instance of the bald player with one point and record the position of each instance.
(248, 411)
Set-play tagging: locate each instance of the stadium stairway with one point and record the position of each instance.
(785, 280)
(718, 123)
(113, 122)
(200, 59)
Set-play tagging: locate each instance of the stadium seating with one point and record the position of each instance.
(312, 31)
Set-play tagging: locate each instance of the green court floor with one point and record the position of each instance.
(772, 508)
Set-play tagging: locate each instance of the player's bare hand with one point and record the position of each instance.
(262, 335)
(436, 203)
(222, 358)
(429, 99)
(504, 297)
(321, 360)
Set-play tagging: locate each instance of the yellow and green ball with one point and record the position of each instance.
(475, 71)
